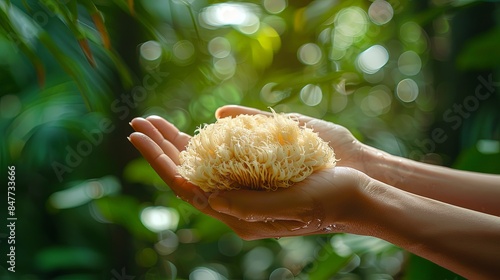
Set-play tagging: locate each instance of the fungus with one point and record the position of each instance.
(253, 152)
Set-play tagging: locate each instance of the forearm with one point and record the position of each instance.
(476, 191)
(462, 240)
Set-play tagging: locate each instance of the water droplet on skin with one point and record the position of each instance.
(319, 221)
(268, 219)
(302, 227)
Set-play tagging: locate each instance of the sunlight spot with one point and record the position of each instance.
(410, 32)
(239, 15)
(380, 12)
(204, 273)
(275, 6)
(281, 273)
(183, 50)
(168, 242)
(159, 218)
(311, 95)
(219, 47)
(352, 21)
(309, 54)
(150, 51)
(409, 63)
(377, 102)
(488, 146)
(257, 260)
(270, 96)
(224, 68)
(276, 22)
(251, 25)
(407, 90)
(372, 59)
(84, 192)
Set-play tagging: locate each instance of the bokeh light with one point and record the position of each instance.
(205, 273)
(168, 242)
(407, 90)
(219, 47)
(352, 21)
(311, 95)
(372, 59)
(159, 218)
(377, 102)
(150, 50)
(309, 54)
(274, 6)
(281, 273)
(409, 63)
(256, 262)
(380, 12)
(183, 52)
(84, 192)
(239, 15)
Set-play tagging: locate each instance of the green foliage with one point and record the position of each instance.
(487, 44)
(73, 74)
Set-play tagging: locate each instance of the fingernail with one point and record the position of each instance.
(129, 139)
(219, 203)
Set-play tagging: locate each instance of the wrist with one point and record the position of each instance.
(348, 209)
(382, 166)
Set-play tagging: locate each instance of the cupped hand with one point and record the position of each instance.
(348, 150)
(324, 202)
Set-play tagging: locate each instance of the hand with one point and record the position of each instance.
(325, 201)
(348, 149)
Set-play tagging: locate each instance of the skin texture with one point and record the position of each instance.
(447, 216)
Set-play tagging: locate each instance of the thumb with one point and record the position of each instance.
(235, 110)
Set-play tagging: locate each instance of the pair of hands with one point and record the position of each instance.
(323, 202)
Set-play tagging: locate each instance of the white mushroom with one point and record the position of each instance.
(254, 152)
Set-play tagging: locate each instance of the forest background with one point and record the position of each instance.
(419, 79)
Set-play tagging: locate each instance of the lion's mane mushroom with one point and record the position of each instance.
(254, 152)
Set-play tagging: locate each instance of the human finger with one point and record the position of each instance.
(170, 132)
(147, 128)
(235, 110)
(164, 166)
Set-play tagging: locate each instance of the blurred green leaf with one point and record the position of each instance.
(139, 171)
(60, 258)
(328, 263)
(125, 211)
(419, 268)
(481, 52)
(473, 160)
(20, 34)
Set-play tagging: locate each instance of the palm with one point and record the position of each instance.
(286, 212)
